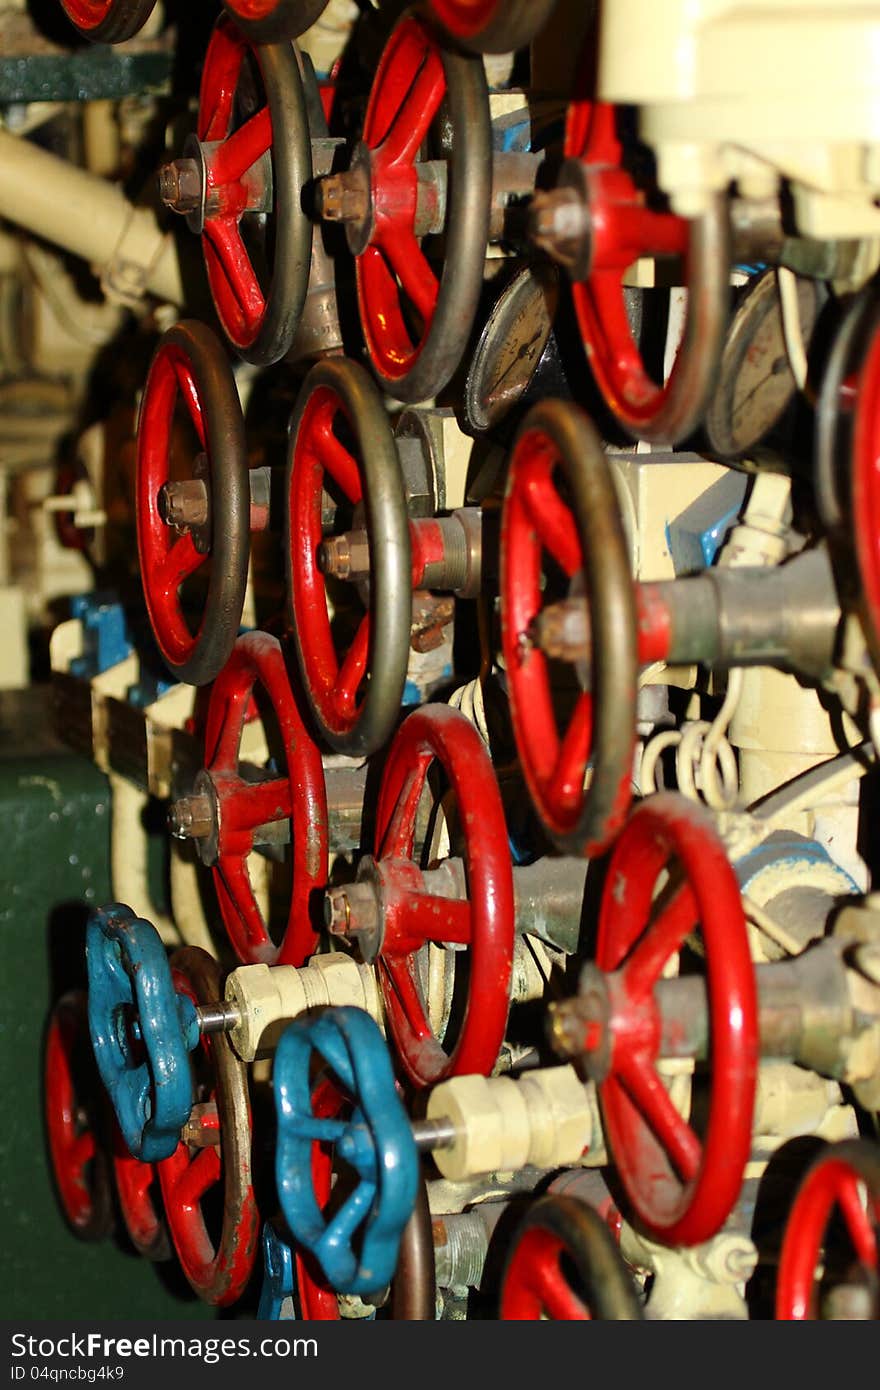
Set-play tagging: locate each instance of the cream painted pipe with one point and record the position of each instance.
(129, 850)
(187, 909)
(85, 215)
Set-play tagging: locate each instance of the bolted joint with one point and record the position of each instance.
(355, 914)
(202, 1129)
(346, 556)
(184, 505)
(180, 185)
(343, 197)
(431, 617)
(347, 198)
(352, 909)
(560, 225)
(191, 818)
(562, 630)
(580, 1028)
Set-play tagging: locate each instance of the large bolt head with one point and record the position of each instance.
(180, 185)
(191, 818)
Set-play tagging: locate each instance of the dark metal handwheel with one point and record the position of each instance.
(561, 502)
(355, 696)
(492, 26)
(218, 1270)
(558, 1237)
(267, 21)
(396, 281)
(190, 363)
(108, 21)
(259, 305)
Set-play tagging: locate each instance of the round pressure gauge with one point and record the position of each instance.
(511, 346)
(756, 384)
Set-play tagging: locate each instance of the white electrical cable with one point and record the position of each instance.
(705, 762)
(806, 790)
(469, 699)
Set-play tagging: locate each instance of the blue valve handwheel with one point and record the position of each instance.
(278, 1278)
(142, 1031)
(376, 1141)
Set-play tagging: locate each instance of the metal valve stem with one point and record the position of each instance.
(218, 1018)
(434, 1134)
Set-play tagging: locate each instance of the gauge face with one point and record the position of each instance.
(511, 346)
(756, 384)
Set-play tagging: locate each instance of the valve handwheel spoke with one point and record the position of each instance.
(565, 1266)
(173, 545)
(845, 1177)
(298, 796)
(582, 531)
(108, 21)
(355, 693)
(622, 229)
(485, 923)
(681, 1186)
(374, 1139)
(217, 1270)
(396, 280)
(72, 1097)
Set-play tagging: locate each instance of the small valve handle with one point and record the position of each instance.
(357, 1247)
(278, 1278)
(142, 1031)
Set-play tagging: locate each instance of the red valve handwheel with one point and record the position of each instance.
(217, 1271)
(108, 21)
(837, 406)
(866, 492)
(833, 1182)
(561, 503)
(355, 694)
(559, 1238)
(190, 364)
(484, 921)
(265, 21)
(416, 323)
(492, 26)
(141, 1213)
(682, 1188)
(72, 1095)
(252, 172)
(624, 228)
(297, 794)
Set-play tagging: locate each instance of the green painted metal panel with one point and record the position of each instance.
(54, 864)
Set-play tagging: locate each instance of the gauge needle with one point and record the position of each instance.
(778, 366)
(523, 352)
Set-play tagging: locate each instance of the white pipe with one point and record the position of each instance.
(85, 215)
